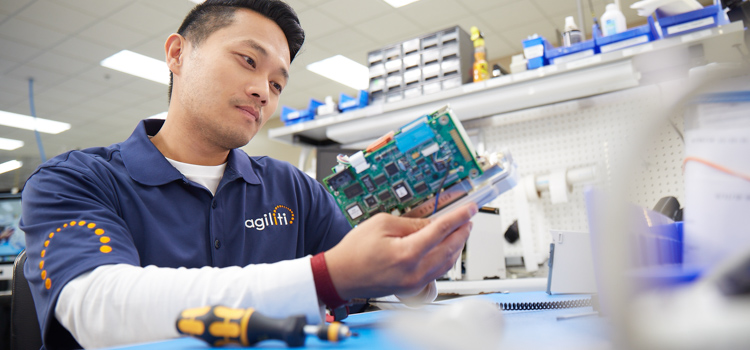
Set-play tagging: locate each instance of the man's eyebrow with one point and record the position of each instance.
(262, 51)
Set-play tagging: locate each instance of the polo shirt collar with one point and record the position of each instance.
(146, 165)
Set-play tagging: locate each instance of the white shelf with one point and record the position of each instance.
(590, 76)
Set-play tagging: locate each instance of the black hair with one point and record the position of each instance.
(212, 15)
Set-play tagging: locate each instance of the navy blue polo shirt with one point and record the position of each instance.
(126, 204)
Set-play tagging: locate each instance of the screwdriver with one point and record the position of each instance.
(220, 325)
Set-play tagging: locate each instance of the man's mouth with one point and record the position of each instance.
(251, 112)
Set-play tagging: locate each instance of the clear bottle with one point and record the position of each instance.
(613, 21)
(571, 35)
(480, 69)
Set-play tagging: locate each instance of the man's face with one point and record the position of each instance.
(230, 83)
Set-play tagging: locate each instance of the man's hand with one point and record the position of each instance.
(390, 255)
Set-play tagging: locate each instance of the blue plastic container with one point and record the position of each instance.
(535, 52)
(292, 116)
(348, 103)
(707, 17)
(573, 52)
(631, 37)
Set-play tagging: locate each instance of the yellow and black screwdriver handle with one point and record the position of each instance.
(220, 325)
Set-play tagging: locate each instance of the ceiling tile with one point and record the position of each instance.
(29, 33)
(145, 88)
(350, 12)
(434, 15)
(177, 9)
(110, 78)
(144, 19)
(84, 49)
(97, 8)
(42, 78)
(17, 51)
(511, 16)
(10, 98)
(479, 6)
(9, 84)
(316, 23)
(153, 48)
(310, 53)
(109, 33)
(12, 6)
(560, 7)
(124, 97)
(63, 93)
(60, 63)
(58, 17)
(497, 46)
(346, 40)
(298, 5)
(81, 88)
(389, 29)
(7, 64)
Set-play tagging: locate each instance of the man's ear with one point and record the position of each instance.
(174, 48)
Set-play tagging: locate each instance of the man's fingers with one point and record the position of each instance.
(399, 226)
(441, 258)
(434, 233)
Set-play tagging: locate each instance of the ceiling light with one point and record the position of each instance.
(399, 3)
(10, 165)
(139, 65)
(342, 70)
(29, 123)
(197, 1)
(10, 144)
(162, 115)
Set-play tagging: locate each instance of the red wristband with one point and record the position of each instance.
(323, 284)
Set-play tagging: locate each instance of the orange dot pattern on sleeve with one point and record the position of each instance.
(104, 248)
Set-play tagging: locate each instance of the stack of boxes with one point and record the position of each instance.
(421, 66)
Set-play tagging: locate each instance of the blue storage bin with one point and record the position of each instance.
(534, 50)
(347, 103)
(707, 17)
(631, 37)
(292, 116)
(573, 52)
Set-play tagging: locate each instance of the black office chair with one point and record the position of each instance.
(24, 326)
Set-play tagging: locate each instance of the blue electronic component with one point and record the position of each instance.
(418, 132)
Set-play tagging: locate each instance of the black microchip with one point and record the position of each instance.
(339, 180)
(439, 166)
(376, 210)
(419, 177)
(420, 187)
(353, 191)
(402, 192)
(380, 179)
(371, 201)
(384, 196)
(368, 183)
(420, 161)
(391, 169)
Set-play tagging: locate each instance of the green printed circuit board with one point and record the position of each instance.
(404, 169)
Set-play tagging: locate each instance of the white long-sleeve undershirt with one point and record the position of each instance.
(124, 304)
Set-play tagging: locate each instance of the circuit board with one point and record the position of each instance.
(404, 168)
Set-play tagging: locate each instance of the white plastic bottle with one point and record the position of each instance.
(613, 21)
(571, 35)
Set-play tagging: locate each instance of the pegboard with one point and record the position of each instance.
(596, 131)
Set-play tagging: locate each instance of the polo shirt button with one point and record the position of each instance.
(213, 204)
(217, 244)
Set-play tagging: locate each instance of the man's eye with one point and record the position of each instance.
(250, 61)
(277, 86)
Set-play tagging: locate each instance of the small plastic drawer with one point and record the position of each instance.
(430, 56)
(375, 56)
(452, 65)
(412, 75)
(394, 80)
(393, 65)
(410, 46)
(411, 92)
(570, 53)
(430, 42)
(392, 52)
(377, 84)
(631, 37)
(449, 50)
(431, 70)
(377, 70)
(393, 96)
(377, 96)
(412, 60)
(431, 88)
(449, 36)
(451, 83)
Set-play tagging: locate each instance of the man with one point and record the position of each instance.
(121, 238)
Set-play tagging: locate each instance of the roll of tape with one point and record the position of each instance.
(529, 186)
(559, 190)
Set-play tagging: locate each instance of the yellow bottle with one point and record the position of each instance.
(480, 69)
